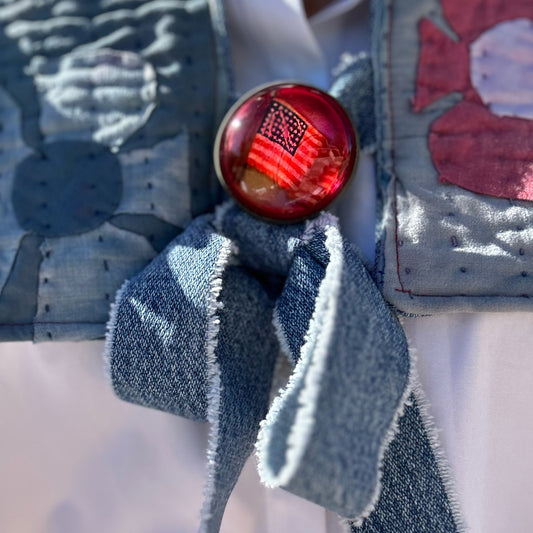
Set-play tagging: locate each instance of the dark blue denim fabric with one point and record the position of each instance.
(192, 335)
(243, 377)
(196, 334)
(148, 333)
(414, 496)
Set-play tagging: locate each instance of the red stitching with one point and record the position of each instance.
(392, 148)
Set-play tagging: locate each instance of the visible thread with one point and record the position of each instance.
(213, 376)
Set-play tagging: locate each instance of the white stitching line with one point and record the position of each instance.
(213, 380)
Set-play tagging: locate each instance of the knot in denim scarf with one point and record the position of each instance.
(198, 334)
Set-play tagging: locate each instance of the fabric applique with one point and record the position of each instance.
(96, 156)
(483, 142)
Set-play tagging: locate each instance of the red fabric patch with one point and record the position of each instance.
(486, 154)
(470, 18)
(470, 146)
(443, 67)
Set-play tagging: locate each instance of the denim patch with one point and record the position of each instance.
(107, 112)
(454, 155)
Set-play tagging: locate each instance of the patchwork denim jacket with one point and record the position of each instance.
(108, 113)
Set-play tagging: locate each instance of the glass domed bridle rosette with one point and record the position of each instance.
(285, 151)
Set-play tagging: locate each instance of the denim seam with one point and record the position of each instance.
(223, 81)
(222, 58)
(325, 311)
(214, 380)
(378, 37)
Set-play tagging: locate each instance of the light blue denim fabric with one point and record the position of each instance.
(197, 334)
(353, 87)
(107, 112)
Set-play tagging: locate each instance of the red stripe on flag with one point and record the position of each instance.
(284, 175)
(288, 170)
(268, 150)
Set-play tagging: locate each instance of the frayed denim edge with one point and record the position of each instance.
(110, 333)
(213, 380)
(280, 334)
(443, 465)
(389, 437)
(325, 312)
(442, 461)
(414, 387)
(220, 214)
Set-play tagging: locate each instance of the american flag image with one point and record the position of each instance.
(286, 147)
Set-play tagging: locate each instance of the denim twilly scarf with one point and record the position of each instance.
(204, 329)
(198, 334)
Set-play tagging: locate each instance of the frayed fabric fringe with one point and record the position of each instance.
(237, 294)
